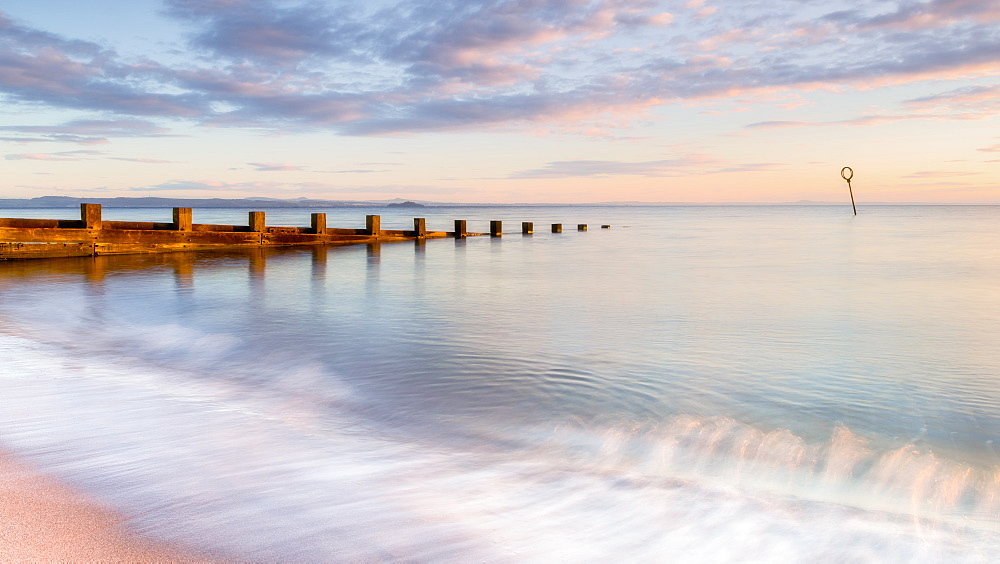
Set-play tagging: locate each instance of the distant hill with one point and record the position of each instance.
(151, 202)
(262, 203)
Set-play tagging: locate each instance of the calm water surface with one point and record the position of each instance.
(694, 384)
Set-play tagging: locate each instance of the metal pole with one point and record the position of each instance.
(847, 174)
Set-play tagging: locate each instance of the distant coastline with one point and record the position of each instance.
(271, 203)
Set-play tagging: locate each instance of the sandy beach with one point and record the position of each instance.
(43, 520)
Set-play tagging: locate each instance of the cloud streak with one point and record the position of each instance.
(141, 160)
(53, 157)
(276, 167)
(931, 174)
(289, 188)
(84, 132)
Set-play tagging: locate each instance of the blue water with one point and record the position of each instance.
(731, 383)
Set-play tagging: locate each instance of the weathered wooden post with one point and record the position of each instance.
(461, 228)
(256, 219)
(527, 227)
(319, 223)
(581, 227)
(373, 225)
(419, 227)
(557, 228)
(496, 228)
(605, 227)
(90, 214)
(183, 219)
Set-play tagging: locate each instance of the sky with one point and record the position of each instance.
(502, 101)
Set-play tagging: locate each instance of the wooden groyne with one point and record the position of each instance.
(92, 236)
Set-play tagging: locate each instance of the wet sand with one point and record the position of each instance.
(42, 520)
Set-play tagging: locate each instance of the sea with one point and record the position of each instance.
(691, 384)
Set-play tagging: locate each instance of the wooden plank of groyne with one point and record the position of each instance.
(21, 223)
(137, 225)
(44, 235)
(90, 235)
(45, 250)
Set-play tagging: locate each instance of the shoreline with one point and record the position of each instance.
(44, 520)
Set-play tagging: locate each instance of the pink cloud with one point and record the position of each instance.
(452, 65)
(859, 121)
(971, 102)
(917, 16)
(727, 38)
(603, 169)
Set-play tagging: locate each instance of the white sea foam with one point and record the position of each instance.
(280, 474)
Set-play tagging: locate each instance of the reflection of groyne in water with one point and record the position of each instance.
(92, 236)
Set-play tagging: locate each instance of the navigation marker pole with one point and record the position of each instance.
(847, 174)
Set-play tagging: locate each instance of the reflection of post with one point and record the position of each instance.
(374, 257)
(496, 228)
(461, 228)
(319, 223)
(183, 219)
(373, 225)
(527, 227)
(258, 262)
(319, 254)
(374, 252)
(557, 228)
(95, 268)
(184, 270)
